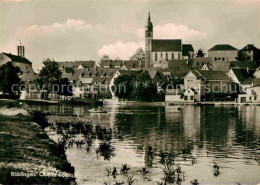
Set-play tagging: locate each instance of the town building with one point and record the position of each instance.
(223, 53)
(252, 93)
(26, 71)
(138, 55)
(205, 82)
(122, 64)
(251, 52)
(243, 77)
(199, 62)
(159, 51)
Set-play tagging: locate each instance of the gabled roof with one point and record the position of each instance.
(222, 47)
(15, 58)
(178, 64)
(85, 64)
(186, 48)
(244, 76)
(65, 64)
(166, 45)
(249, 47)
(128, 72)
(213, 75)
(105, 63)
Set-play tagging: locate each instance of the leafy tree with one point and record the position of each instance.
(200, 53)
(49, 77)
(123, 86)
(8, 78)
(241, 56)
(136, 87)
(64, 87)
(146, 90)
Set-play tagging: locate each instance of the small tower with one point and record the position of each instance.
(148, 42)
(20, 50)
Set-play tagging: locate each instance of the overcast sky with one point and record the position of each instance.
(69, 30)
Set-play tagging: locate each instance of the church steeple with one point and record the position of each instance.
(148, 41)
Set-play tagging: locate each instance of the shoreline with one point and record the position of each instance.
(29, 155)
(4, 102)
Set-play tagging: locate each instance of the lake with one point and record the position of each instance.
(198, 136)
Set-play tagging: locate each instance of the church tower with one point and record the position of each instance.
(148, 42)
(20, 50)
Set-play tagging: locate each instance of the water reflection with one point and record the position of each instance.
(211, 144)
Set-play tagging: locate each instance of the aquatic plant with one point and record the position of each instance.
(125, 168)
(161, 183)
(144, 172)
(106, 150)
(130, 180)
(216, 171)
(193, 160)
(194, 182)
(119, 183)
(114, 172)
(108, 170)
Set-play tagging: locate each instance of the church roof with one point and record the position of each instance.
(166, 45)
(15, 58)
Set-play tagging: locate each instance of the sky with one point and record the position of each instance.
(69, 30)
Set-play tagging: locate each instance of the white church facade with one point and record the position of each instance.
(159, 51)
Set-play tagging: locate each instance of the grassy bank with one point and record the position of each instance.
(25, 150)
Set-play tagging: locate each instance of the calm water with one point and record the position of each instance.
(229, 136)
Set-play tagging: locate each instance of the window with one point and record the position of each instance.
(250, 98)
(161, 55)
(179, 56)
(166, 56)
(191, 97)
(223, 59)
(172, 55)
(185, 97)
(155, 56)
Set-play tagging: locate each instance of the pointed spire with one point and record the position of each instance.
(149, 17)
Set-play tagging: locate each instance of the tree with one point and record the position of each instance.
(136, 87)
(64, 87)
(49, 77)
(146, 90)
(123, 86)
(8, 78)
(200, 53)
(241, 56)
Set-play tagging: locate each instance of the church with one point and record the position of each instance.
(160, 51)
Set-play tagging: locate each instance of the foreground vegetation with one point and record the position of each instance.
(26, 149)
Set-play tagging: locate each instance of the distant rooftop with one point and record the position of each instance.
(16, 58)
(222, 47)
